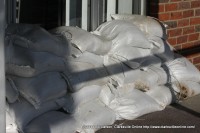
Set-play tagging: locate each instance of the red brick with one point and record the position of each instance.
(176, 15)
(194, 21)
(197, 12)
(194, 36)
(183, 22)
(171, 7)
(184, 5)
(197, 43)
(182, 39)
(163, 1)
(178, 47)
(175, 0)
(195, 4)
(164, 16)
(161, 8)
(187, 45)
(188, 13)
(188, 30)
(196, 60)
(174, 32)
(197, 28)
(172, 41)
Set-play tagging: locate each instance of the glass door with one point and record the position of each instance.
(89, 14)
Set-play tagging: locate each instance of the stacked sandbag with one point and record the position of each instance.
(122, 70)
(121, 32)
(26, 62)
(86, 114)
(131, 52)
(94, 115)
(84, 40)
(135, 65)
(161, 48)
(149, 25)
(40, 89)
(163, 95)
(151, 77)
(84, 71)
(22, 112)
(128, 102)
(36, 38)
(88, 110)
(155, 32)
(85, 65)
(82, 96)
(52, 122)
(35, 63)
(184, 77)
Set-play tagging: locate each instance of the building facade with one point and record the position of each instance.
(183, 20)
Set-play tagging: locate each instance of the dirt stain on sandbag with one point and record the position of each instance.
(185, 92)
(140, 85)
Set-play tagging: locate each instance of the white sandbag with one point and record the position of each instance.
(12, 93)
(84, 40)
(192, 88)
(72, 49)
(150, 77)
(36, 38)
(161, 94)
(149, 25)
(135, 57)
(88, 93)
(23, 112)
(115, 69)
(42, 88)
(52, 122)
(186, 89)
(182, 69)
(11, 127)
(91, 58)
(96, 60)
(131, 54)
(75, 52)
(120, 71)
(161, 48)
(107, 93)
(26, 63)
(93, 115)
(123, 33)
(80, 74)
(130, 103)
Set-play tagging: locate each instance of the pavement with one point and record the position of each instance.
(181, 117)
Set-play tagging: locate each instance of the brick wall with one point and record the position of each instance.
(183, 19)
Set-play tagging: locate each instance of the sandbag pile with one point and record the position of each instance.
(35, 61)
(122, 70)
(145, 58)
